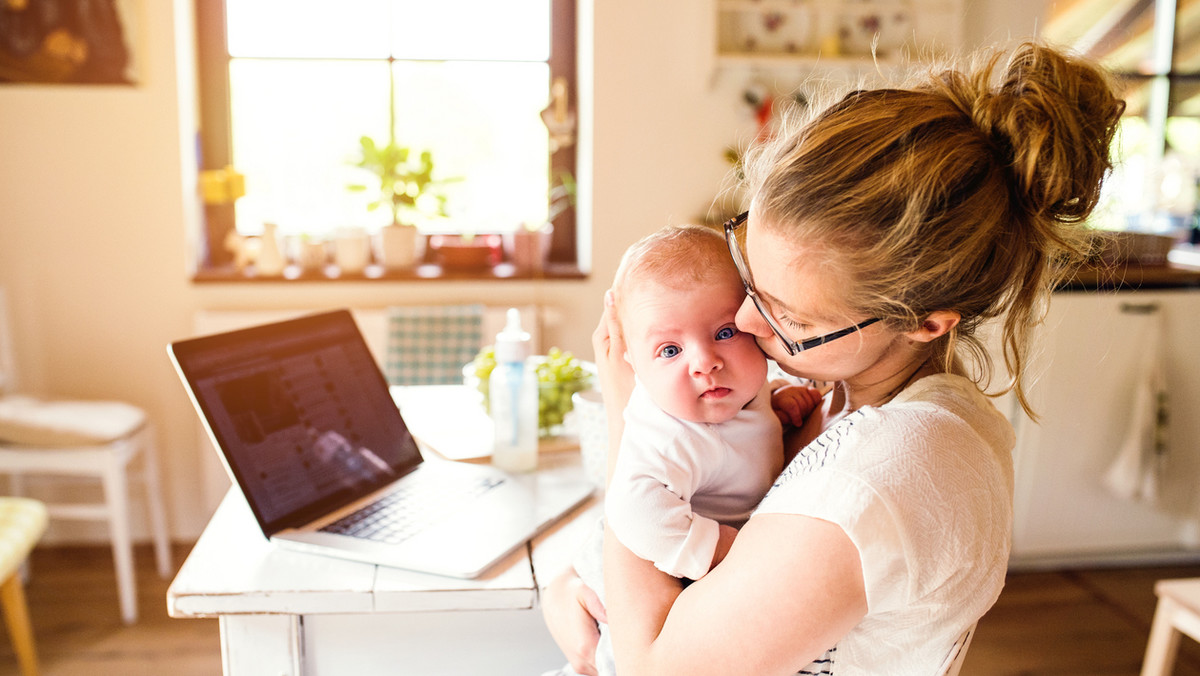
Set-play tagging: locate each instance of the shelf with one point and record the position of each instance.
(1133, 277)
(839, 34)
(783, 5)
(801, 60)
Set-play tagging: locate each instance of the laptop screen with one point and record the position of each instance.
(300, 412)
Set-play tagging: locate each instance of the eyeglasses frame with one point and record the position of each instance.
(792, 347)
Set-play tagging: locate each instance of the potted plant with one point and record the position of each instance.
(530, 243)
(406, 187)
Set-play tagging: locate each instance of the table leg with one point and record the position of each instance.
(260, 645)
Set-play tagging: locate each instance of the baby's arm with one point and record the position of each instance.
(793, 403)
(647, 506)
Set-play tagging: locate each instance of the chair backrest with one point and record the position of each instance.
(430, 344)
(958, 653)
(8, 362)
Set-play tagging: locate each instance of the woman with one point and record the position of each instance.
(881, 233)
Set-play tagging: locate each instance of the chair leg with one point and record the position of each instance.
(122, 542)
(1163, 645)
(154, 502)
(16, 617)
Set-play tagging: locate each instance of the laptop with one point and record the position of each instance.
(307, 429)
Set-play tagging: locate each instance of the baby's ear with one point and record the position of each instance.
(936, 325)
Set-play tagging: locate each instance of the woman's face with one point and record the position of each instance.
(806, 296)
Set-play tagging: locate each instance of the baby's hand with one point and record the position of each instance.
(793, 403)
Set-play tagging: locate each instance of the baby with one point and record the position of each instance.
(702, 443)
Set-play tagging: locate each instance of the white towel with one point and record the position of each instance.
(1137, 472)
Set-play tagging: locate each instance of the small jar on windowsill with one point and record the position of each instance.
(528, 249)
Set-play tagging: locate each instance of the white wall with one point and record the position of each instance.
(96, 207)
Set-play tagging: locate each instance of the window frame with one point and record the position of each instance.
(1162, 74)
(214, 141)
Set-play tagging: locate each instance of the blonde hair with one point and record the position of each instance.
(964, 192)
(675, 256)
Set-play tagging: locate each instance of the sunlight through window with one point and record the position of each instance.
(463, 79)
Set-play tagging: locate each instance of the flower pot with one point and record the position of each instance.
(351, 250)
(460, 253)
(528, 249)
(311, 254)
(397, 246)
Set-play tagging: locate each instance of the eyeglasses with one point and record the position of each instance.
(793, 347)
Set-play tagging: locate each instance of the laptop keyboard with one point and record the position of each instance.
(410, 509)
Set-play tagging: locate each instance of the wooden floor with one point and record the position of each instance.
(1068, 623)
(72, 595)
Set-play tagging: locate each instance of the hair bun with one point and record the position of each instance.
(1052, 118)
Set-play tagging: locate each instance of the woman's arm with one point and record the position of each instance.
(790, 587)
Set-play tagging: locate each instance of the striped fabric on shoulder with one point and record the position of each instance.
(430, 344)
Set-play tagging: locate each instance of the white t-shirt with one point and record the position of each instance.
(675, 480)
(923, 486)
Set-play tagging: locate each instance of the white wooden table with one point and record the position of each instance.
(289, 613)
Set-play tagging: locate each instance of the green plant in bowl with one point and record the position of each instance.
(560, 375)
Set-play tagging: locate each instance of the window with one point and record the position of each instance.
(289, 87)
(1152, 46)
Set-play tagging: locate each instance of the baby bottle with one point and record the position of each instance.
(513, 394)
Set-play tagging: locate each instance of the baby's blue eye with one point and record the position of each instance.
(669, 351)
(726, 333)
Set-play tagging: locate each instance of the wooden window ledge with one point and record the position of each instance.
(377, 273)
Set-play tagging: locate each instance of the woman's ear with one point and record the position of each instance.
(936, 325)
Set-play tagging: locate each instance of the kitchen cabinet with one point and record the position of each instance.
(779, 33)
(1092, 353)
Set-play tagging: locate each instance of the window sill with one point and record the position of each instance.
(376, 273)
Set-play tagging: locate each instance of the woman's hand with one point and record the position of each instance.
(615, 373)
(571, 610)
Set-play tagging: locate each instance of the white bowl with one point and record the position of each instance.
(589, 416)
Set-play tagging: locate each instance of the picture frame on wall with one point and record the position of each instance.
(69, 42)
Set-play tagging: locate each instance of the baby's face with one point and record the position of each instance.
(688, 354)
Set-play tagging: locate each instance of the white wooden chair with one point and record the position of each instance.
(429, 344)
(96, 440)
(1177, 613)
